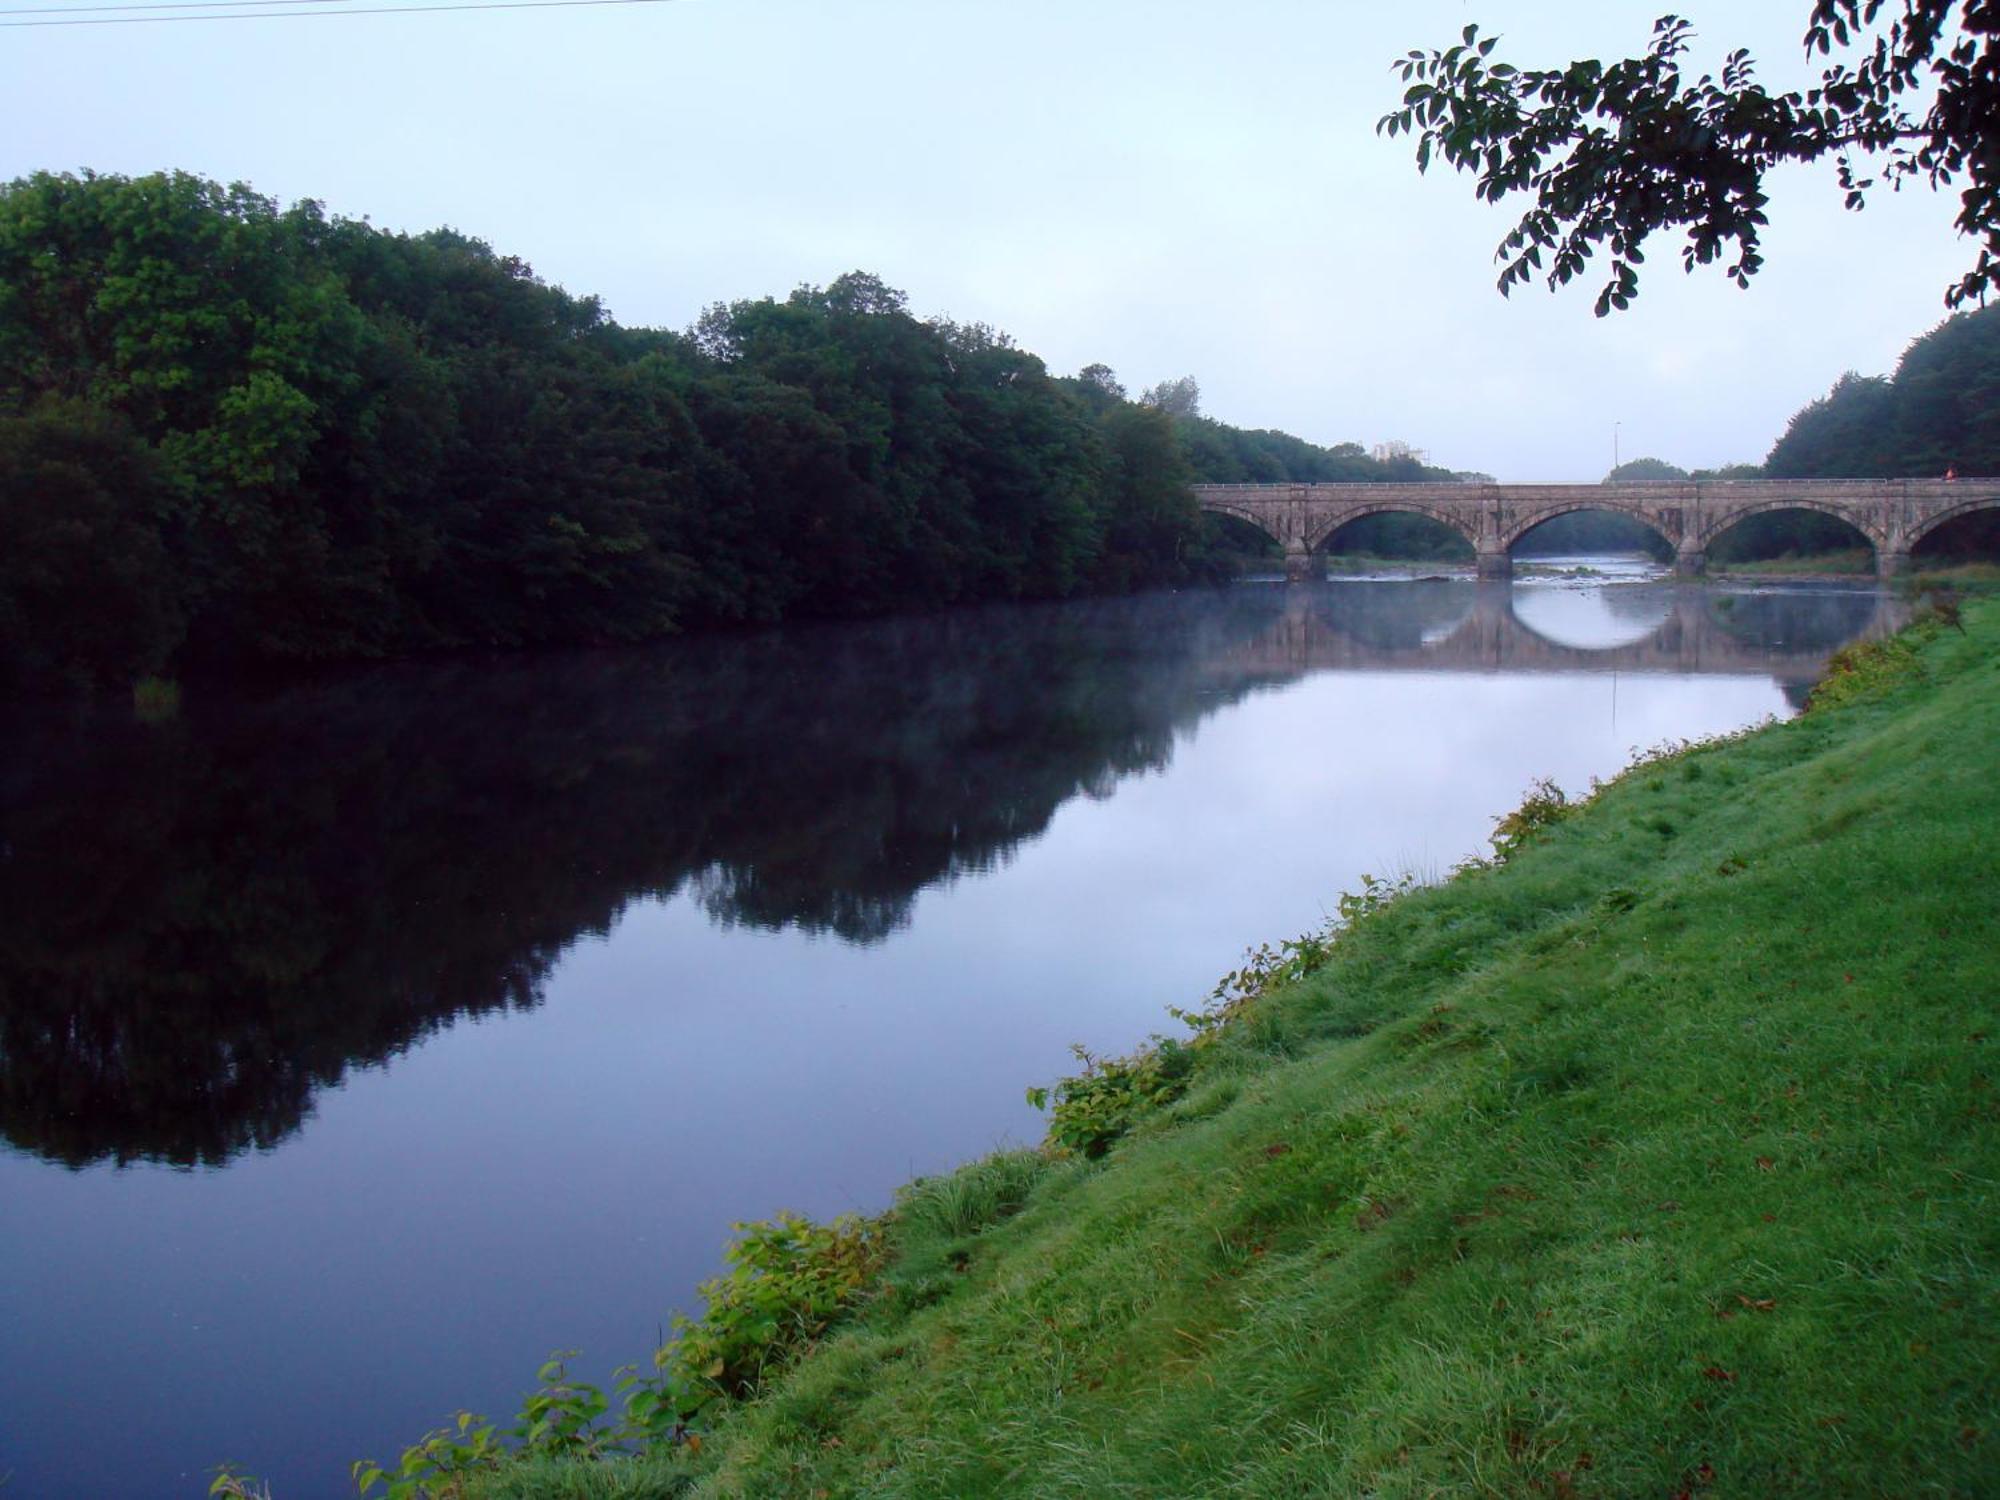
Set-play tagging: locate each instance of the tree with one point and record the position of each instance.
(1940, 411)
(1101, 377)
(1177, 398)
(1640, 469)
(87, 592)
(1612, 152)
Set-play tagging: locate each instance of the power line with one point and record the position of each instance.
(287, 15)
(70, 10)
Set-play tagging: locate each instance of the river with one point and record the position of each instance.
(366, 1039)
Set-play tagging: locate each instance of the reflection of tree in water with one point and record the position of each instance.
(200, 925)
(1799, 618)
(1395, 615)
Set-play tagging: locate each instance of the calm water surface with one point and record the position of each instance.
(362, 1042)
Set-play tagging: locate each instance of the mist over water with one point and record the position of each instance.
(365, 1040)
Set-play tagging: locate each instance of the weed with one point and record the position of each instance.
(1543, 808)
(437, 1464)
(1868, 669)
(1089, 1111)
(788, 1279)
(228, 1484)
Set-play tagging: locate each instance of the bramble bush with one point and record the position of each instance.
(788, 1279)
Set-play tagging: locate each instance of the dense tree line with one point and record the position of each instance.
(1939, 411)
(233, 432)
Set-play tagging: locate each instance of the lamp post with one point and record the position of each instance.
(1614, 445)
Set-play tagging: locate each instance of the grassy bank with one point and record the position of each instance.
(1859, 560)
(1657, 1159)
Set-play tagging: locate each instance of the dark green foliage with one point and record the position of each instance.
(1218, 454)
(1091, 1110)
(1785, 534)
(1940, 411)
(86, 587)
(788, 1278)
(1612, 152)
(1644, 469)
(1850, 432)
(1594, 531)
(244, 434)
(1400, 534)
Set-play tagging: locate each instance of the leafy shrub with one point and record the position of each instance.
(1090, 1110)
(1866, 670)
(435, 1467)
(788, 1279)
(1543, 808)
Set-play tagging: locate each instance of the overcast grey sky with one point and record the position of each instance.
(1171, 188)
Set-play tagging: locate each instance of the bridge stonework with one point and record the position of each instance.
(1894, 514)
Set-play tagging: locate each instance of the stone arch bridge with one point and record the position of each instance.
(1894, 514)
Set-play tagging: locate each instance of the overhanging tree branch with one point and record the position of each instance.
(1611, 153)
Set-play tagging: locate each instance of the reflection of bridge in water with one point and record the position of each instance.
(1461, 626)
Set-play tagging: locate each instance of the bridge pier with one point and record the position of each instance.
(1691, 562)
(1496, 567)
(1891, 563)
(1302, 565)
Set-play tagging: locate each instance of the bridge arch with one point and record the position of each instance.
(1855, 516)
(1245, 513)
(1324, 529)
(1989, 500)
(1584, 504)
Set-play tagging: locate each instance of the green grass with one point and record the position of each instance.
(1815, 564)
(1959, 574)
(1659, 1160)
(1369, 562)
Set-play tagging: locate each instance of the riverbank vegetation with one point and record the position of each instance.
(1652, 1155)
(235, 434)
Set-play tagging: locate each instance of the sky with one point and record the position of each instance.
(1168, 188)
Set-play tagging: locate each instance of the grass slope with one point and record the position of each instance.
(1659, 1161)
